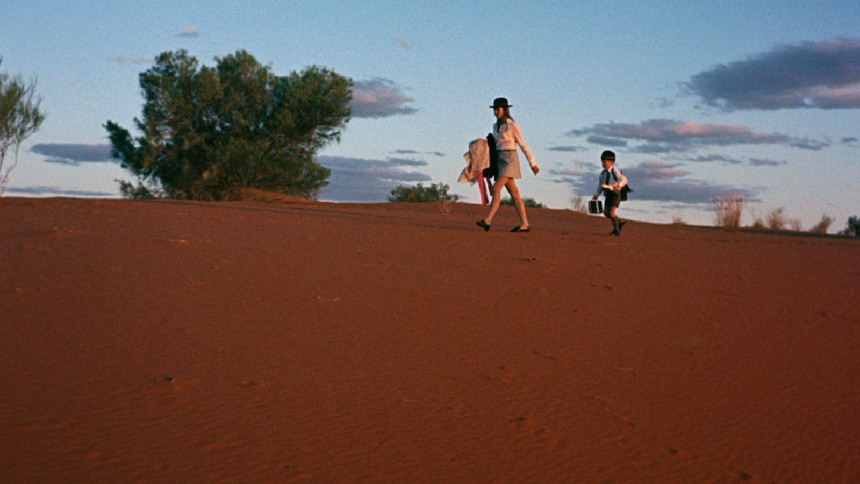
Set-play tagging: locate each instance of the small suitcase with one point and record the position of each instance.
(595, 206)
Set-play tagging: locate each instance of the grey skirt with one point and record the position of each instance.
(509, 164)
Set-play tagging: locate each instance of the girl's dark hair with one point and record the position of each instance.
(505, 117)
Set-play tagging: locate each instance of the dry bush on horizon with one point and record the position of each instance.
(729, 210)
(823, 225)
(795, 224)
(579, 204)
(775, 219)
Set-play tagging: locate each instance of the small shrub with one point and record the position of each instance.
(822, 226)
(776, 219)
(678, 220)
(436, 192)
(852, 227)
(528, 202)
(579, 204)
(758, 223)
(729, 210)
(795, 224)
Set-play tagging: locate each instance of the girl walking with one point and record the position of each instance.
(508, 136)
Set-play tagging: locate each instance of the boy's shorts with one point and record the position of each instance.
(611, 199)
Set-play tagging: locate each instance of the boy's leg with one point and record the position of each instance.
(616, 224)
(609, 211)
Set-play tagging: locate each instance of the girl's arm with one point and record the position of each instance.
(518, 137)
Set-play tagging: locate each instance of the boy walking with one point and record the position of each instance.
(611, 182)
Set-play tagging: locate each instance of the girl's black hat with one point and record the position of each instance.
(501, 102)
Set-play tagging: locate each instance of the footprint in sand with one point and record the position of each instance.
(252, 384)
(504, 375)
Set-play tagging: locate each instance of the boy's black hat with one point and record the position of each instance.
(607, 155)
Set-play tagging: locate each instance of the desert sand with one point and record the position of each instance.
(167, 341)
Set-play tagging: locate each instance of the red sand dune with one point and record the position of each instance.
(315, 342)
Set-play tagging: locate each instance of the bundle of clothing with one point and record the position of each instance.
(480, 165)
(477, 160)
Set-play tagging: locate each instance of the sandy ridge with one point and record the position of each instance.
(200, 342)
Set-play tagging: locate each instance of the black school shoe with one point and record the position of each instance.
(481, 223)
(520, 229)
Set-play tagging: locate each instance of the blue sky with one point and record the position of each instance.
(698, 99)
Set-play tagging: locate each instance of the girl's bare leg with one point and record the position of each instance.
(514, 190)
(497, 198)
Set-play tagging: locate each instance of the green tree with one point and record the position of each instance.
(852, 227)
(19, 118)
(209, 132)
(436, 192)
(528, 202)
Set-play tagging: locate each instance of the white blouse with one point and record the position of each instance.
(509, 136)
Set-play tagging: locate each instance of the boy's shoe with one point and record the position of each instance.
(616, 233)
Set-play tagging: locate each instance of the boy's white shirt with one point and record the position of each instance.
(622, 180)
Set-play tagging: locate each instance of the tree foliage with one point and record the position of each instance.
(852, 227)
(19, 118)
(208, 132)
(436, 192)
(528, 202)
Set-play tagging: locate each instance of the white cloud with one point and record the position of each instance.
(188, 32)
(766, 162)
(379, 98)
(821, 75)
(121, 59)
(46, 191)
(73, 154)
(403, 43)
(666, 135)
(655, 181)
(363, 180)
